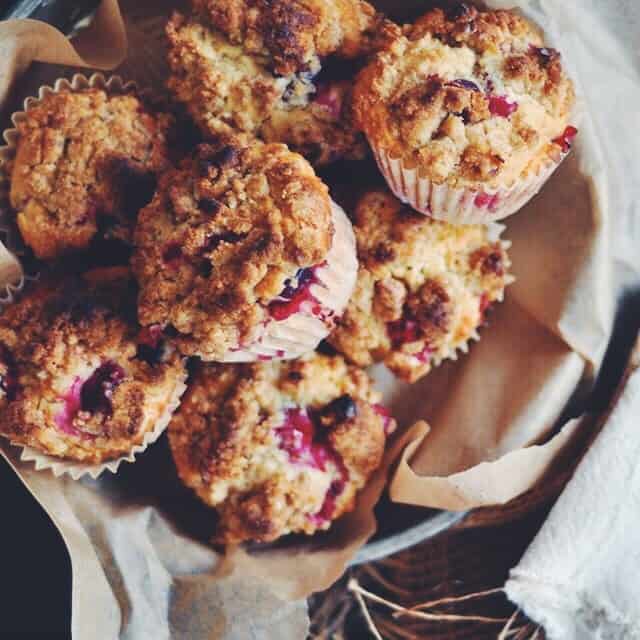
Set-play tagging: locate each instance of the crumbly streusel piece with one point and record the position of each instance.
(251, 66)
(423, 287)
(278, 447)
(77, 378)
(468, 97)
(84, 166)
(237, 226)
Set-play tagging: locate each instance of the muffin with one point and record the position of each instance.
(255, 66)
(424, 287)
(467, 113)
(85, 163)
(241, 255)
(278, 447)
(77, 378)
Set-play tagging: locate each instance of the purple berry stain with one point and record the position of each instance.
(295, 295)
(93, 395)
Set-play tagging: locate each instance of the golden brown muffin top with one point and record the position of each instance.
(278, 447)
(259, 67)
(77, 379)
(293, 34)
(220, 238)
(84, 165)
(467, 97)
(423, 287)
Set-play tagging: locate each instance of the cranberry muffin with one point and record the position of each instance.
(85, 163)
(77, 378)
(255, 66)
(278, 447)
(242, 255)
(423, 287)
(468, 113)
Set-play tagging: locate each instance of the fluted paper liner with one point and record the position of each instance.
(140, 569)
(302, 332)
(458, 205)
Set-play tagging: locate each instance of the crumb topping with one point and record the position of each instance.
(224, 236)
(85, 164)
(278, 447)
(423, 287)
(254, 66)
(466, 96)
(76, 379)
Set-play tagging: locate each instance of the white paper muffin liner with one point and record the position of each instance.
(302, 332)
(461, 205)
(13, 278)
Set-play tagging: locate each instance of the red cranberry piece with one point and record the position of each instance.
(281, 310)
(464, 84)
(500, 106)
(328, 507)
(293, 297)
(330, 97)
(487, 200)
(403, 331)
(423, 356)
(8, 374)
(566, 139)
(97, 391)
(296, 434)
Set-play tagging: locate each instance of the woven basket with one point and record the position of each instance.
(450, 587)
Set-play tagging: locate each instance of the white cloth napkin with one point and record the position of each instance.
(580, 578)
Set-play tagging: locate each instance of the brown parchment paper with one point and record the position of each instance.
(141, 563)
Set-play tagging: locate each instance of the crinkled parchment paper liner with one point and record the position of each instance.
(459, 205)
(302, 332)
(102, 45)
(113, 85)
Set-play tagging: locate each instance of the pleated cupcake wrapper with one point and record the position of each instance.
(459, 205)
(302, 332)
(76, 470)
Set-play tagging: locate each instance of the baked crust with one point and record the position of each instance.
(468, 97)
(77, 380)
(223, 234)
(423, 287)
(252, 66)
(278, 447)
(84, 165)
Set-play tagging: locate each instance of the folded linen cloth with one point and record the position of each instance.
(580, 578)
